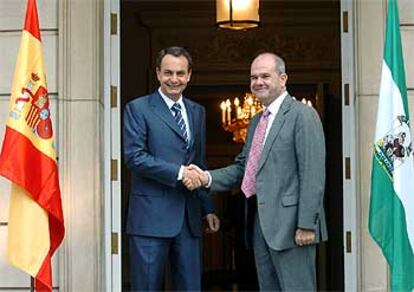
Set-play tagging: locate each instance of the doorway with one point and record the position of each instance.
(307, 35)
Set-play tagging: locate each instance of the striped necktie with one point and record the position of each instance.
(176, 108)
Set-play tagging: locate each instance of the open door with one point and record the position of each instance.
(112, 147)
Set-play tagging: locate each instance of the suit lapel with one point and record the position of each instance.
(275, 129)
(163, 112)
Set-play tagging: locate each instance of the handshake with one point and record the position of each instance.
(194, 177)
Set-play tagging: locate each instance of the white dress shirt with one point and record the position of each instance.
(274, 109)
(180, 101)
(169, 102)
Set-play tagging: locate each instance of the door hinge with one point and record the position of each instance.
(114, 243)
(114, 23)
(114, 169)
(348, 241)
(347, 168)
(114, 96)
(345, 21)
(346, 94)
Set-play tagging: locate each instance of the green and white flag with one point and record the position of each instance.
(391, 214)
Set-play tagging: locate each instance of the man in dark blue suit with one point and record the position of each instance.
(163, 133)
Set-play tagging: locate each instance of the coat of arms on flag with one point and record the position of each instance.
(395, 147)
(37, 103)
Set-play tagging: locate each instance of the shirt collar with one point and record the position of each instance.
(169, 101)
(275, 105)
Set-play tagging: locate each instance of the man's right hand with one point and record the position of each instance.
(194, 177)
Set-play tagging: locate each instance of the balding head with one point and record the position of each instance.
(267, 77)
(280, 66)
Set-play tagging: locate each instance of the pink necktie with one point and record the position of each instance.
(249, 180)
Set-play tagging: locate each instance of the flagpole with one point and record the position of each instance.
(32, 288)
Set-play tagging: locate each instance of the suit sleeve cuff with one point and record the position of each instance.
(310, 222)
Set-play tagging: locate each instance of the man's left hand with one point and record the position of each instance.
(304, 236)
(213, 223)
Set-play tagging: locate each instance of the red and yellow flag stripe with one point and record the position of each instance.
(28, 160)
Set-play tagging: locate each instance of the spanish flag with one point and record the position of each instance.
(28, 160)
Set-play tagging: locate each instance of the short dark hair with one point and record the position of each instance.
(176, 52)
(279, 62)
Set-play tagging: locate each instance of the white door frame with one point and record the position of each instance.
(349, 157)
(112, 147)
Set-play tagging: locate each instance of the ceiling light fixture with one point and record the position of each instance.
(237, 14)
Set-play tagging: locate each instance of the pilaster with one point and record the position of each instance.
(80, 143)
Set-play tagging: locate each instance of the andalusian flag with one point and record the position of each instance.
(28, 160)
(391, 218)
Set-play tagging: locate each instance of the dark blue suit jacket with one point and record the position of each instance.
(154, 150)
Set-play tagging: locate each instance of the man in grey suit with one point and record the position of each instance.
(283, 165)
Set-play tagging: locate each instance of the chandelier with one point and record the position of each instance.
(236, 115)
(237, 14)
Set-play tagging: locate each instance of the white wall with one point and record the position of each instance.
(370, 29)
(11, 22)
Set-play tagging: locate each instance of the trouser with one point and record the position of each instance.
(286, 270)
(149, 257)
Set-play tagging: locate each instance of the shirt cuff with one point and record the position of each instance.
(210, 180)
(180, 173)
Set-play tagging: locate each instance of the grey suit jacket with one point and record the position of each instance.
(290, 180)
